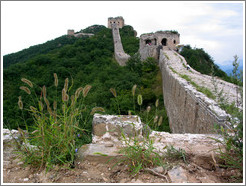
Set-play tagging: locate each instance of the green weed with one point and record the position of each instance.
(54, 137)
(139, 154)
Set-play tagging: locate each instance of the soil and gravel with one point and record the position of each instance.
(196, 170)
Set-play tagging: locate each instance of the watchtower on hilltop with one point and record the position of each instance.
(119, 21)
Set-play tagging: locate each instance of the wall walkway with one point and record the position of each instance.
(120, 56)
(189, 110)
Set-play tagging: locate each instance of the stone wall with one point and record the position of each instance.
(189, 111)
(120, 56)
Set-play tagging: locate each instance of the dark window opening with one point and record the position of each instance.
(148, 42)
(114, 21)
(155, 42)
(164, 42)
(174, 41)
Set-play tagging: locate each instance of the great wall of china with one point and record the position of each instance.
(189, 110)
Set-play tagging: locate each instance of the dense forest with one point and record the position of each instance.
(90, 61)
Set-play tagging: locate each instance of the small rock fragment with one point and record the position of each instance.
(25, 179)
(159, 169)
(177, 175)
(109, 145)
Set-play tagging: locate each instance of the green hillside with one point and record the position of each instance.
(84, 61)
(32, 51)
(201, 61)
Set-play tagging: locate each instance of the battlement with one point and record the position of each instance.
(70, 32)
(119, 21)
(150, 44)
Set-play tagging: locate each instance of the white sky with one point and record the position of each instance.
(217, 27)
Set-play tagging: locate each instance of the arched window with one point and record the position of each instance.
(164, 42)
(174, 41)
(148, 42)
(155, 41)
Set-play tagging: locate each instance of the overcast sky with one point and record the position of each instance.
(218, 28)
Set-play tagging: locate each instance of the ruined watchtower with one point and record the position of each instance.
(150, 44)
(119, 21)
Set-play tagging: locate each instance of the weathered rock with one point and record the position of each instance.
(97, 152)
(177, 175)
(195, 144)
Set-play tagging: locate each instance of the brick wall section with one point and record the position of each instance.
(186, 108)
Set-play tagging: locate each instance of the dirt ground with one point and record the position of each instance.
(197, 170)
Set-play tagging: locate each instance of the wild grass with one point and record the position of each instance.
(175, 154)
(55, 134)
(139, 154)
(166, 56)
(204, 90)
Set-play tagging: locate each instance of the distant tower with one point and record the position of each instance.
(150, 44)
(70, 32)
(119, 21)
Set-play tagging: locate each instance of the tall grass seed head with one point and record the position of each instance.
(72, 100)
(113, 91)
(56, 79)
(96, 109)
(65, 96)
(66, 84)
(140, 99)
(54, 105)
(33, 109)
(44, 91)
(27, 82)
(20, 103)
(157, 103)
(78, 91)
(155, 119)
(148, 109)
(134, 89)
(27, 90)
(160, 121)
(46, 101)
(86, 90)
(41, 106)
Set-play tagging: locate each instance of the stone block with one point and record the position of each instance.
(116, 124)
